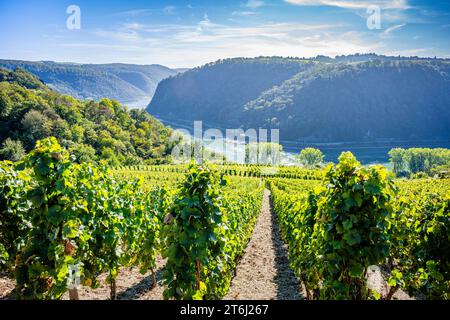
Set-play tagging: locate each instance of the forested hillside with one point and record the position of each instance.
(350, 102)
(123, 82)
(349, 98)
(218, 91)
(30, 111)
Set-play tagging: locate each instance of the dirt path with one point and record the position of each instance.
(264, 272)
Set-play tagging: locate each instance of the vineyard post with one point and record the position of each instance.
(153, 278)
(198, 274)
(73, 294)
(391, 293)
(113, 289)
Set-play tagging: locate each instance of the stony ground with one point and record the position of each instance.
(262, 274)
(264, 271)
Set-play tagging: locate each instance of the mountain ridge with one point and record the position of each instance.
(119, 81)
(409, 95)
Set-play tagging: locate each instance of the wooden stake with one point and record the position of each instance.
(198, 274)
(113, 290)
(73, 294)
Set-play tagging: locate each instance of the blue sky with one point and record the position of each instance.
(190, 33)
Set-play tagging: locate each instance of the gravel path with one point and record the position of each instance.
(264, 272)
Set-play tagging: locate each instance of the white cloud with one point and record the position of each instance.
(119, 35)
(353, 4)
(393, 28)
(135, 12)
(146, 12)
(191, 45)
(244, 13)
(254, 4)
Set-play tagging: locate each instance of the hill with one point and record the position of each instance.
(349, 98)
(216, 92)
(103, 130)
(364, 101)
(122, 82)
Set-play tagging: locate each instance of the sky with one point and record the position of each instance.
(181, 34)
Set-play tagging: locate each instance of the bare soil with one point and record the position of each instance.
(6, 287)
(131, 285)
(264, 272)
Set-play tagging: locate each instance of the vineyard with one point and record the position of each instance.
(191, 230)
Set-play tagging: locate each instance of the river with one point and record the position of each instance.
(375, 152)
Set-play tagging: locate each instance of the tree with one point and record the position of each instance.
(29, 115)
(268, 153)
(36, 125)
(311, 157)
(5, 105)
(397, 158)
(83, 152)
(12, 150)
(109, 156)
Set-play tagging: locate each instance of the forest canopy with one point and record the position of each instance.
(91, 130)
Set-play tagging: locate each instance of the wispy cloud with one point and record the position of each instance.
(254, 4)
(146, 12)
(353, 4)
(118, 35)
(211, 41)
(135, 12)
(244, 13)
(393, 28)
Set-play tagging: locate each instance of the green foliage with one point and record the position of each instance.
(397, 158)
(42, 263)
(420, 253)
(14, 206)
(418, 160)
(194, 236)
(315, 100)
(263, 153)
(232, 82)
(311, 157)
(57, 216)
(205, 233)
(353, 226)
(23, 78)
(3, 256)
(91, 130)
(335, 234)
(124, 82)
(83, 152)
(296, 215)
(12, 150)
(314, 105)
